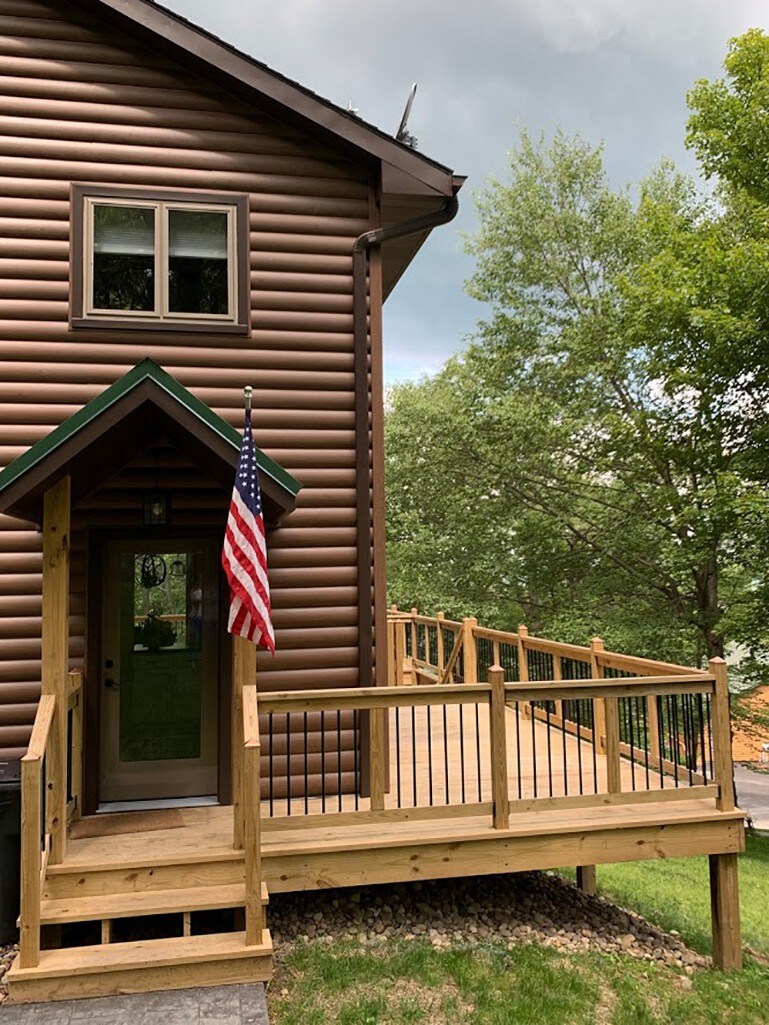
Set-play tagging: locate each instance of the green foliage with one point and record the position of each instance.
(595, 461)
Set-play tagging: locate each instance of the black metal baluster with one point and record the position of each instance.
(564, 709)
(306, 768)
(661, 738)
(579, 742)
(323, 760)
(533, 712)
(629, 702)
(272, 767)
(288, 764)
(430, 755)
(414, 751)
(674, 737)
(645, 734)
(462, 749)
(355, 740)
(710, 736)
(701, 719)
(339, 758)
(591, 723)
(478, 749)
(518, 747)
(549, 751)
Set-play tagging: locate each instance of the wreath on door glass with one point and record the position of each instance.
(153, 571)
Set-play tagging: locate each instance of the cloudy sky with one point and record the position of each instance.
(612, 70)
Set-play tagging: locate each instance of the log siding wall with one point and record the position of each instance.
(79, 105)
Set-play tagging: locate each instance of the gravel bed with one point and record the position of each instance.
(527, 907)
(7, 954)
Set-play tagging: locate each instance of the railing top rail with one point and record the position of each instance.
(41, 728)
(349, 698)
(633, 663)
(569, 690)
(495, 635)
(573, 651)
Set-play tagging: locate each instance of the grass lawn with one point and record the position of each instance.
(411, 983)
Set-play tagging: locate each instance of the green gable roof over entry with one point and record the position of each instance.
(120, 423)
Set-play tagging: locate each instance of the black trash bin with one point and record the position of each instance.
(10, 849)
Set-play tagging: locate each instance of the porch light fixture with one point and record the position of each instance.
(155, 506)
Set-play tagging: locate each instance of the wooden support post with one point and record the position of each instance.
(599, 707)
(725, 912)
(469, 650)
(31, 811)
(723, 769)
(440, 655)
(253, 841)
(523, 666)
(414, 636)
(498, 746)
(390, 653)
(377, 757)
(427, 644)
(55, 657)
(586, 879)
(243, 675)
(557, 677)
(400, 653)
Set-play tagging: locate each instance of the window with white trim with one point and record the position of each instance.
(160, 261)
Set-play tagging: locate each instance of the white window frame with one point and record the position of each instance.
(161, 313)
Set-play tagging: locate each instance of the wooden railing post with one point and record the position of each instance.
(243, 675)
(557, 677)
(31, 811)
(414, 636)
(252, 821)
(390, 652)
(377, 757)
(498, 747)
(599, 707)
(723, 769)
(55, 656)
(523, 665)
(440, 654)
(400, 653)
(469, 650)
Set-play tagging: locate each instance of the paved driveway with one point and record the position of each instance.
(753, 794)
(219, 1005)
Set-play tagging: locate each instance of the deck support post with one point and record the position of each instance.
(31, 810)
(599, 705)
(498, 747)
(55, 657)
(469, 650)
(391, 627)
(586, 879)
(725, 912)
(253, 841)
(377, 757)
(523, 666)
(243, 675)
(723, 769)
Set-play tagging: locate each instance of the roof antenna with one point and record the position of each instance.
(403, 134)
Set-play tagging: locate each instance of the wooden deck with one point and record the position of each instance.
(601, 758)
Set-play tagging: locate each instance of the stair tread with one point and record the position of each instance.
(177, 950)
(143, 902)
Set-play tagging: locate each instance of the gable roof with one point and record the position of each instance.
(276, 93)
(119, 423)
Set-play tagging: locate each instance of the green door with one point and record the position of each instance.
(159, 671)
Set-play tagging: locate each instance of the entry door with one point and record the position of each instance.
(159, 671)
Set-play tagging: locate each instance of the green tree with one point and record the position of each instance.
(591, 454)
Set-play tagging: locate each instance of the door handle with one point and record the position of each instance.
(111, 684)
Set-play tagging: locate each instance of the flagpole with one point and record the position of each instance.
(248, 392)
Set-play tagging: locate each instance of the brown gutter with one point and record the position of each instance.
(360, 250)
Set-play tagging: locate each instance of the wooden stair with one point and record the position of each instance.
(138, 886)
(108, 969)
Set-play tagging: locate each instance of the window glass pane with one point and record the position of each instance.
(198, 265)
(123, 257)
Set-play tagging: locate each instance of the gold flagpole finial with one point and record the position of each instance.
(248, 392)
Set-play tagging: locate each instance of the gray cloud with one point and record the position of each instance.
(616, 70)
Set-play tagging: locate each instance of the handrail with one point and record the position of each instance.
(41, 728)
(342, 699)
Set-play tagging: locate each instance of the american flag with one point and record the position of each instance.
(244, 556)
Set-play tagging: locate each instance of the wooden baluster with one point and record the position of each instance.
(31, 821)
(599, 707)
(498, 748)
(55, 657)
(470, 649)
(523, 666)
(378, 757)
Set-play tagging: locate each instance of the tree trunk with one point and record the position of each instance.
(708, 611)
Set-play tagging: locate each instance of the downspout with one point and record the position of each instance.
(360, 250)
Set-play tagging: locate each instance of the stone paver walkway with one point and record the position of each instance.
(218, 1005)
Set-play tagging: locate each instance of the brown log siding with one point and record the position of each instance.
(79, 105)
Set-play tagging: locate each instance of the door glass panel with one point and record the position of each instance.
(162, 655)
(198, 266)
(123, 258)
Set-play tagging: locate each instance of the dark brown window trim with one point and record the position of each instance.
(78, 320)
